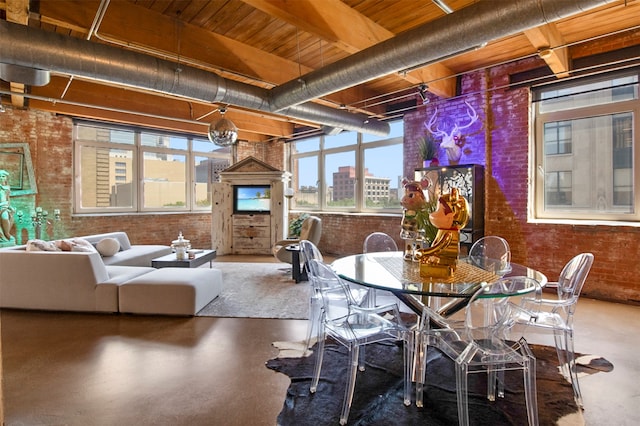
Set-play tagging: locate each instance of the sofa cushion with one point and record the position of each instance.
(81, 245)
(170, 291)
(107, 247)
(137, 255)
(122, 238)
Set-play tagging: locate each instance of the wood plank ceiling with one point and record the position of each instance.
(270, 42)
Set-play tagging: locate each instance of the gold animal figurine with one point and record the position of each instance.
(441, 258)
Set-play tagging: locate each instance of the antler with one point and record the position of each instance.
(472, 114)
(429, 125)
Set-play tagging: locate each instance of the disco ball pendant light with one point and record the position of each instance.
(223, 132)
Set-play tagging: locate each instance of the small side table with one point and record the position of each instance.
(297, 273)
(170, 261)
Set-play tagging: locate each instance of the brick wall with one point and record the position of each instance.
(505, 154)
(500, 142)
(50, 142)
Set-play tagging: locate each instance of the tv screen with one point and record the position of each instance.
(252, 199)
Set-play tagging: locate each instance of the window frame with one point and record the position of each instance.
(138, 149)
(572, 214)
(359, 149)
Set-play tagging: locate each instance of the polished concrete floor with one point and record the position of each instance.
(85, 369)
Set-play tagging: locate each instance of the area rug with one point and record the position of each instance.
(258, 290)
(378, 395)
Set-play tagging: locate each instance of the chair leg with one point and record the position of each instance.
(561, 350)
(566, 359)
(461, 392)
(354, 352)
(530, 390)
(408, 347)
(318, 366)
(573, 368)
(421, 348)
(312, 324)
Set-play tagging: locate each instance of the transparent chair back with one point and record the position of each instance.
(309, 251)
(377, 242)
(491, 253)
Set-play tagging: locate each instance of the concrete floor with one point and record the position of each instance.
(86, 369)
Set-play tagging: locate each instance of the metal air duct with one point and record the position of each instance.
(34, 48)
(454, 33)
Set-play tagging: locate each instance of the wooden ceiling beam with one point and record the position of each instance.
(17, 11)
(549, 43)
(350, 31)
(138, 28)
(331, 20)
(110, 102)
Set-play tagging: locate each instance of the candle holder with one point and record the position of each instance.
(39, 220)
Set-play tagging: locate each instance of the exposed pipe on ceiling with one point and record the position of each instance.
(468, 27)
(35, 48)
(471, 26)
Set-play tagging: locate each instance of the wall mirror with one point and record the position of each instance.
(15, 158)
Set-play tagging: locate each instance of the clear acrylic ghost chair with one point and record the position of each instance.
(491, 253)
(556, 315)
(378, 242)
(354, 327)
(309, 252)
(478, 345)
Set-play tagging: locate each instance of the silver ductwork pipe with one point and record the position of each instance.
(452, 34)
(34, 48)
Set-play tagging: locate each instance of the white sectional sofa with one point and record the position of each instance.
(87, 282)
(129, 255)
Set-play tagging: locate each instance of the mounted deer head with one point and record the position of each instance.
(452, 141)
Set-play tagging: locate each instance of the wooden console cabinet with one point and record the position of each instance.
(248, 233)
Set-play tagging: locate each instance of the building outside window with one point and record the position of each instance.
(127, 169)
(585, 164)
(348, 171)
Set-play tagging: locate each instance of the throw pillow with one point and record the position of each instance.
(41, 245)
(108, 246)
(80, 244)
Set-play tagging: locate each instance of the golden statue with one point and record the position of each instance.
(441, 258)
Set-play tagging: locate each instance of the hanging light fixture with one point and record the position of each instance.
(223, 132)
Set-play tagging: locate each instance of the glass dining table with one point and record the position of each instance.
(389, 271)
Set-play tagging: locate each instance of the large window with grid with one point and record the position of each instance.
(348, 172)
(127, 169)
(586, 165)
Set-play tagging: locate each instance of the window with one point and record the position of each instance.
(122, 169)
(586, 165)
(348, 171)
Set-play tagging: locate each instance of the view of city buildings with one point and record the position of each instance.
(108, 173)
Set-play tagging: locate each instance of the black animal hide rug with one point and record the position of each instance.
(378, 394)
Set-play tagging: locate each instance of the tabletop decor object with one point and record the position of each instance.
(451, 215)
(181, 245)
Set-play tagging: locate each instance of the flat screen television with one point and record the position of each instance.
(251, 199)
